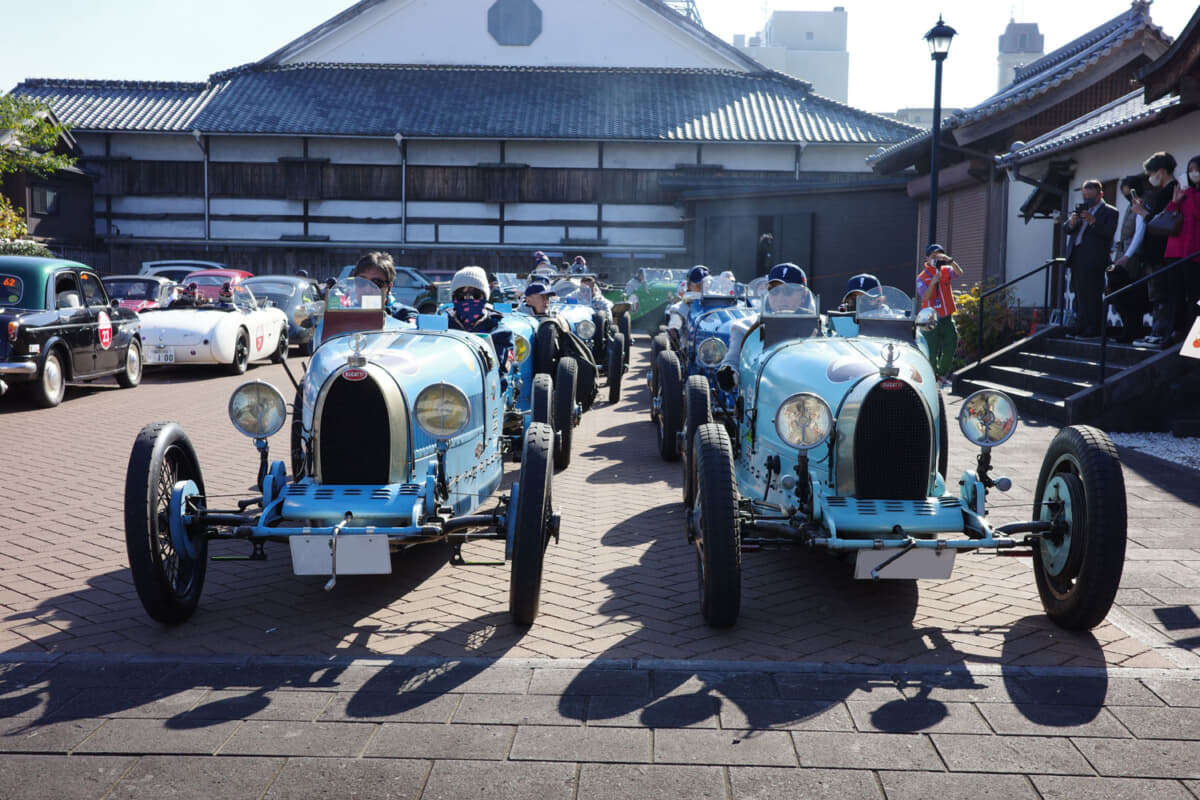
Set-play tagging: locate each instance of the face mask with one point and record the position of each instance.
(469, 311)
(1155, 180)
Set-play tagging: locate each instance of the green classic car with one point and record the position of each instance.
(57, 324)
(649, 292)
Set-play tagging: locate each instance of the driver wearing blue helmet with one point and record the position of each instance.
(863, 285)
(780, 274)
(677, 314)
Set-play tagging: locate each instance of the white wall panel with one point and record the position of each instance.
(781, 158)
(355, 151)
(643, 237)
(154, 205)
(647, 155)
(581, 232)
(469, 234)
(154, 147)
(255, 230)
(238, 205)
(420, 233)
(254, 148)
(539, 238)
(365, 209)
(386, 235)
(634, 213)
(553, 154)
(837, 157)
(454, 210)
(159, 229)
(537, 211)
(452, 154)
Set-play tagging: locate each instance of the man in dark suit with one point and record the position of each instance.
(1090, 230)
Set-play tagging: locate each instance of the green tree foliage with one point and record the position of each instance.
(1002, 323)
(28, 135)
(12, 220)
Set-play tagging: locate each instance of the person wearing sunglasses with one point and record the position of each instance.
(379, 268)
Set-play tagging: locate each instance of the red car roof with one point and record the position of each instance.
(232, 275)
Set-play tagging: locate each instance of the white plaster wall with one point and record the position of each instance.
(384, 234)
(154, 147)
(469, 234)
(633, 213)
(157, 229)
(837, 157)
(355, 151)
(427, 152)
(454, 210)
(647, 155)
(553, 154)
(420, 233)
(1027, 245)
(828, 72)
(364, 209)
(240, 205)
(537, 211)
(781, 158)
(581, 232)
(254, 148)
(540, 238)
(153, 205)
(644, 237)
(620, 33)
(255, 230)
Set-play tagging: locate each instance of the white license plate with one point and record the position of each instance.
(357, 554)
(160, 357)
(916, 563)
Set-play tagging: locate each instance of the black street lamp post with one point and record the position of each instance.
(939, 37)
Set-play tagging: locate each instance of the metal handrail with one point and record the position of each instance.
(984, 295)
(1106, 301)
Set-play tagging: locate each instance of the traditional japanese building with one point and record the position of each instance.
(483, 135)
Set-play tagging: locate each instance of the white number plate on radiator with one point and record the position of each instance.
(916, 563)
(357, 554)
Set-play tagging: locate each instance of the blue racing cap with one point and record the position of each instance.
(697, 274)
(934, 248)
(862, 283)
(788, 273)
(537, 288)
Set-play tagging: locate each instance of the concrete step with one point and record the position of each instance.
(1040, 382)
(1038, 404)
(1084, 369)
(1123, 355)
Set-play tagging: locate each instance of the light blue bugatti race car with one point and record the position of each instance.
(840, 442)
(398, 440)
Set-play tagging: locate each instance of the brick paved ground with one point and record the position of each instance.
(415, 684)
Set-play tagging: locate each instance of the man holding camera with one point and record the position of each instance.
(935, 291)
(1089, 230)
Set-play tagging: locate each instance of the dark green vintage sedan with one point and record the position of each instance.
(57, 324)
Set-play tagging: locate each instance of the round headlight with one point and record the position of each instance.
(711, 351)
(442, 410)
(988, 418)
(257, 409)
(804, 421)
(521, 348)
(586, 329)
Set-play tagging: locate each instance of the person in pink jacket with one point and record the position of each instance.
(1187, 201)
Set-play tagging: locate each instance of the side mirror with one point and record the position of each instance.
(114, 303)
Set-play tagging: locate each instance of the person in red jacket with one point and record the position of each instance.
(1187, 202)
(934, 290)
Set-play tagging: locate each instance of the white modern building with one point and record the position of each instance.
(809, 45)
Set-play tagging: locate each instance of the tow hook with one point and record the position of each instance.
(333, 552)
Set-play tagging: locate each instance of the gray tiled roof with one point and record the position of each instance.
(476, 102)
(1119, 116)
(1038, 78)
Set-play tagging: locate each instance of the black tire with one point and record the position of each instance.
(299, 462)
(545, 349)
(696, 412)
(543, 400)
(564, 411)
(51, 386)
(168, 582)
(131, 374)
(281, 351)
(241, 354)
(718, 540)
(1079, 574)
(670, 410)
(624, 324)
(943, 459)
(599, 343)
(530, 529)
(616, 367)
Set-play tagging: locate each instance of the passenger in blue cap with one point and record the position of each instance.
(860, 285)
(537, 300)
(677, 314)
(740, 328)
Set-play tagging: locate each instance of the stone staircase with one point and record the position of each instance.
(1058, 379)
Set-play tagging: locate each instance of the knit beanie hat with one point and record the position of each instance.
(472, 278)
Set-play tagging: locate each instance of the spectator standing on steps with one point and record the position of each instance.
(1186, 201)
(935, 291)
(1165, 289)
(1090, 230)
(1128, 266)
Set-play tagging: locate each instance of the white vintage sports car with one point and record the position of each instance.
(209, 331)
